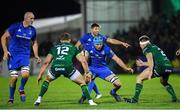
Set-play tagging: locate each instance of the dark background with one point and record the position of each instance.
(13, 10)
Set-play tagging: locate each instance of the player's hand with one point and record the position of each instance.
(87, 77)
(130, 70)
(139, 62)
(38, 59)
(6, 55)
(39, 78)
(126, 45)
(178, 52)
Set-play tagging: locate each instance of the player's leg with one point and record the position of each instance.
(12, 85)
(24, 79)
(164, 81)
(78, 79)
(94, 86)
(98, 94)
(50, 77)
(117, 84)
(139, 85)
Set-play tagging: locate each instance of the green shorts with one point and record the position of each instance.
(67, 72)
(159, 71)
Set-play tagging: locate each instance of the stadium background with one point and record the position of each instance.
(125, 20)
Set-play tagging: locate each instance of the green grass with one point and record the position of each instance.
(63, 94)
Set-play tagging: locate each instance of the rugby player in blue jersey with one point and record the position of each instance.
(87, 39)
(97, 54)
(21, 36)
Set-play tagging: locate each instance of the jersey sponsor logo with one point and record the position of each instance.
(24, 37)
(59, 69)
(60, 58)
(89, 40)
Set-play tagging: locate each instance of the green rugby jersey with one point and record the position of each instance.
(159, 58)
(63, 55)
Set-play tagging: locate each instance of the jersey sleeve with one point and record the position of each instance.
(77, 51)
(109, 53)
(12, 29)
(83, 39)
(104, 38)
(146, 50)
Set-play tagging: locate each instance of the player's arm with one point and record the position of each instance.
(78, 44)
(44, 66)
(4, 38)
(87, 73)
(81, 58)
(150, 63)
(139, 62)
(117, 42)
(35, 50)
(121, 64)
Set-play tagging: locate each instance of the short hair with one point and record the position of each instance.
(65, 36)
(144, 38)
(95, 25)
(27, 14)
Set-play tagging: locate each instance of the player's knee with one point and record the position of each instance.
(164, 83)
(117, 84)
(13, 81)
(25, 75)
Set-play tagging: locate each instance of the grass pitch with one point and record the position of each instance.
(64, 94)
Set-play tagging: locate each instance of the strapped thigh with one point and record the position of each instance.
(113, 79)
(75, 74)
(25, 69)
(14, 73)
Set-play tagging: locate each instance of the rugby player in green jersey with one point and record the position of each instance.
(61, 56)
(158, 65)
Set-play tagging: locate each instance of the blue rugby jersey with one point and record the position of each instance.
(98, 58)
(20, 38)
(87, 39)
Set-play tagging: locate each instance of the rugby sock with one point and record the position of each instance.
(170, 90)
(86, 92)
(91, 85)
(23, 82)
(96, 89)
(12, 91)
(113, 91)
(44, 88)
(138, 90)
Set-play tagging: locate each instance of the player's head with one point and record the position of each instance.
(143, 41)
(65, 37)
(98, 42)
(28, 18)
(95, 29)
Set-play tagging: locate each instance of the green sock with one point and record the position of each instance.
(138, 91)
(44, 88)
(170, 90)
(86, 92)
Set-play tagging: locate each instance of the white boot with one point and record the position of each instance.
(91, 102)
(98, 96)
(38, 101)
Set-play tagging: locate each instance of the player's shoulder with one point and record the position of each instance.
(86, 35)
(106, 47)
(16, 25)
